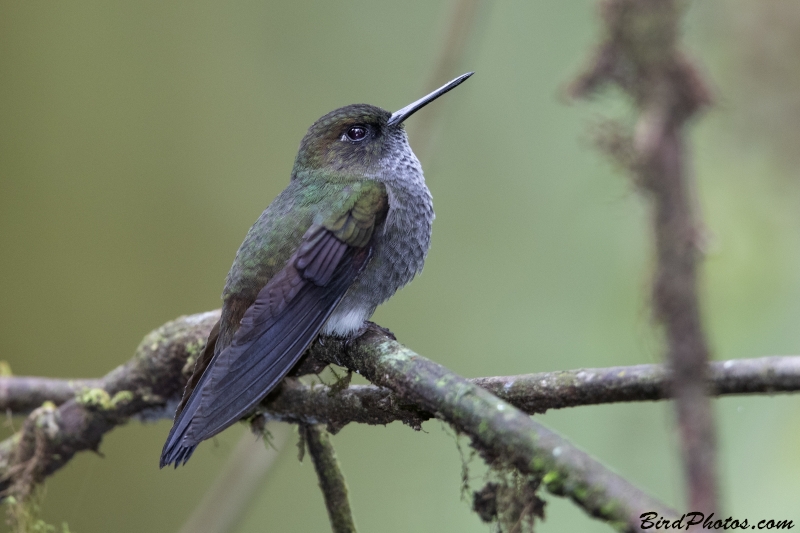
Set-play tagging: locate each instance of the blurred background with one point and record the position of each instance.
(140, 140)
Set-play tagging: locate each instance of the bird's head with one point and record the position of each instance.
(360, 140)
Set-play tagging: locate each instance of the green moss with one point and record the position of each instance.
(196, 347)
(121, 397)
(580, 493)
(538, 464)
(552, 477)
(150, 343)
(93, 398)
(610, 508)
(100, 399)
(24, 515)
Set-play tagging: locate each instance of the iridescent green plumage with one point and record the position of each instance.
(278, 232)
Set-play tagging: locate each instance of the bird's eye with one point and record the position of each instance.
(356, 133)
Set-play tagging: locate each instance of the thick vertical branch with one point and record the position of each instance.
(640, 55)
(331, 479)
(677, 307)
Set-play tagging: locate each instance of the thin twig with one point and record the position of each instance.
(295, 401)
(23, 394)
(531, 393)
(331, 479)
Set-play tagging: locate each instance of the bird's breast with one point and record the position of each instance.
(398, 254)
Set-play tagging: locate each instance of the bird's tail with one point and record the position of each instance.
(176, 450)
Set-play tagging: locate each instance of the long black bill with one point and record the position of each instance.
(399, 116)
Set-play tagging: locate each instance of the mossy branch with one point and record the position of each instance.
(299, 402)
(499, 431)
(146, 386)
(407, 387)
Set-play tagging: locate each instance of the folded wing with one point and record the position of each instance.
(276, 329)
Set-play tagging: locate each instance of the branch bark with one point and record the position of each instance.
(499, 431)
(295, 401)
(150, 384)
(331, 479)
(147, 386)
(23, 394)
(531, 393)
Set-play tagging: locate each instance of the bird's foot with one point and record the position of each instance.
(364, 328)
(385, 331)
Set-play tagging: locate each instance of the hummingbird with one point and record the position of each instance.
(351, 228)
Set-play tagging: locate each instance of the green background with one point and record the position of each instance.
(140, 140)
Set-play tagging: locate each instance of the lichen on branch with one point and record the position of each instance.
(492, 411)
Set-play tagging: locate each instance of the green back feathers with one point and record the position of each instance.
(351, 210)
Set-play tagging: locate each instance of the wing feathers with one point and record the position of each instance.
(260, 362)
(274, 333)
(278, 326)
